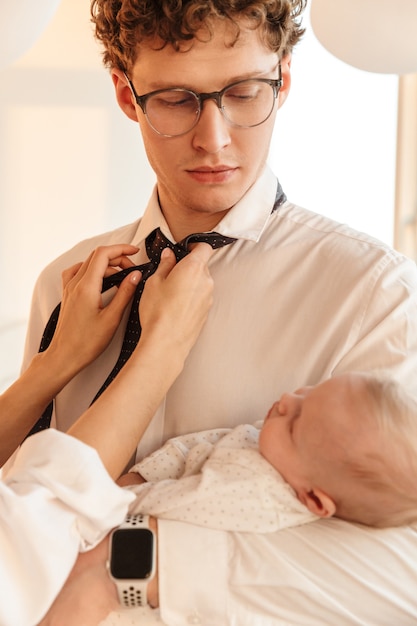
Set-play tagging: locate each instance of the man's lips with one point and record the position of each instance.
(214, 169)
(216, 174)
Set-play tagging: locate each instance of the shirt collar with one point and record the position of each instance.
(246, 220)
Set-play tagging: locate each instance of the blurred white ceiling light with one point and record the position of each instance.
(373, 35)
(21, 23)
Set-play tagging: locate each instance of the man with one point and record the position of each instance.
(298, 298)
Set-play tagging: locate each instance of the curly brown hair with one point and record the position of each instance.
(122, 25)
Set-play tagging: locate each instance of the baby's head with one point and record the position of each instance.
(348, 447)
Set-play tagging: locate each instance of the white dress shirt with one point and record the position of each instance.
(56, 499)
(297, 299)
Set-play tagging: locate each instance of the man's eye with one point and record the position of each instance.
(241, 94)
(177, 100)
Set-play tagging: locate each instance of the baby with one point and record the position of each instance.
(346, 447)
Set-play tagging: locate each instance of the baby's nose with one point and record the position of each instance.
(290, 404)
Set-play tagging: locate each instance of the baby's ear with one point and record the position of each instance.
(318, 502)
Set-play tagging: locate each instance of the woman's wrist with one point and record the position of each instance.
(160, 348)
(65, 361)
(25, 400)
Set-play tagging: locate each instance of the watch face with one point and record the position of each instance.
(131, 553)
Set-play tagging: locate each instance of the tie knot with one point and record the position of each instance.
(156, 242)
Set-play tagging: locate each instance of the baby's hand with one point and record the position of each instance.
(131, 478)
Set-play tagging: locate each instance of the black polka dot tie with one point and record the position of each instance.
(155, 243)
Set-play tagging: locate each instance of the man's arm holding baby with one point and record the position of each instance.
(89, 594)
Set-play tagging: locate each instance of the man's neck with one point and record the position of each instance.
(184, 225)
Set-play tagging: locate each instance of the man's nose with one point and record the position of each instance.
(212, 132)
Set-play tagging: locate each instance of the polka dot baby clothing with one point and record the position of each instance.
(217, 478)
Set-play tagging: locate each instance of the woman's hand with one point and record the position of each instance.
(177, 299)
(85, 325)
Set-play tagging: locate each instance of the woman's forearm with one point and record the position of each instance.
(128, 405)
(23, 403)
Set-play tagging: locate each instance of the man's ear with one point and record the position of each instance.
(286, 79)
(318, 502)
(124, 96)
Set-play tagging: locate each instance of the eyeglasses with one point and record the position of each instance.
(244, 104)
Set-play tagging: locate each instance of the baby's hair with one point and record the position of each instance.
(388, 473)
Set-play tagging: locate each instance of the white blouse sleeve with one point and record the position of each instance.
(55, 500)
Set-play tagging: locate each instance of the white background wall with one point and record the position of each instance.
(71, 164)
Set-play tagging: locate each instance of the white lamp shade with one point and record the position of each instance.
(21, 24)
(373, 35)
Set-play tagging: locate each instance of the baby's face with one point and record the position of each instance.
(305, 432)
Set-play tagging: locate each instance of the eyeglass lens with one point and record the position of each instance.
(176, 111)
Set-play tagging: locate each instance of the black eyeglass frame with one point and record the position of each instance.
(275, 83)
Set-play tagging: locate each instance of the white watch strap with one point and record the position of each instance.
(135, 521)
(133, 592)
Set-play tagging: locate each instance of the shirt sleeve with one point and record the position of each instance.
(384, 336)
(55, 500)
(287, 577)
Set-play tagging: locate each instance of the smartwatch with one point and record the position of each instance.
(132, 559)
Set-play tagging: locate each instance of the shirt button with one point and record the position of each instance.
(194, 619)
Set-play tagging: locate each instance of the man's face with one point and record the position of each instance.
(204, 172)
